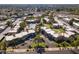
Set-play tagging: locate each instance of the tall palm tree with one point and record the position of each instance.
(23, 25)
(37, 29)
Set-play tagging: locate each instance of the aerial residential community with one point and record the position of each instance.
(39, 29)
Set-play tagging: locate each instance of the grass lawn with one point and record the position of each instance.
(42, 44)
(31, 17)
(48, 25)
(59, 30)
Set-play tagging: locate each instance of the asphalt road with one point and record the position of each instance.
(46, 52)
(48, 42)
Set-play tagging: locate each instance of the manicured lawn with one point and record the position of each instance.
(42, 44)
(64, 44)
(31, 17)
(59, 30)
(48, 25)
(38, 41)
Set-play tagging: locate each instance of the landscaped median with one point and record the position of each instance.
(19, 50)
(42, 44)
(46, 49)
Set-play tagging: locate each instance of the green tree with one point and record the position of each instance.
(75, 43)
(43, 15)
(22, 25)
(38, 42)
(9, 23)
(3, 45)
(71, 39)
(64, 44)
(51, 15)
(37, 29)
(71, 22)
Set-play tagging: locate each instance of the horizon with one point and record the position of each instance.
(38, 5)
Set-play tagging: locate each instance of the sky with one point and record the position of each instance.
(39, 1)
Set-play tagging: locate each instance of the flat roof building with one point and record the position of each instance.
(76, 24)
(19, 35)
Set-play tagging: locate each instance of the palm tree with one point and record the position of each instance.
(9, 23)
(37, 29)
(51, 15)
(22, 25)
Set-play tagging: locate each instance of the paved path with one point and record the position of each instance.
(48, 42)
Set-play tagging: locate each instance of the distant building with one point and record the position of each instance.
(46, 20)
(52, 33)
(67, 19)
(76, 19)
(76, 24)
(56, 25)
(2, 27)
(3, 17)
(18, 35)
